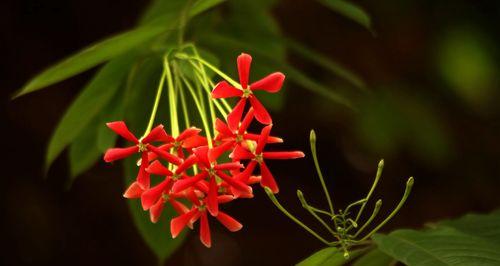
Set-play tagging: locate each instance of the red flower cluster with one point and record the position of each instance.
(201, 176)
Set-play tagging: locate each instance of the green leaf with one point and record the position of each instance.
(83, 152)
(330, 256)
(203, 5)
(471, 240)
(334, 67)
(139, 96)
(349, 10)
(90, 57)
(113, 111)
(374, 258)
(87, 105)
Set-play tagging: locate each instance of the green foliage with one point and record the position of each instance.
(374, 257)
(330, 256)
(83, 151)
(349, 10)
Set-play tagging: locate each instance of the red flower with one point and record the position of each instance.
(258, 156)
(199, 212)
(188, 139)
(271, 83)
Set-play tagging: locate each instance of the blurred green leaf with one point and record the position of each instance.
(113, 111)
(471, 240)
(83, 152)
(90, 57)
(203, 5)
(331, 256)
(322, 60)
(349, 10)
(374, 258)
(141, 89)
(88, 105)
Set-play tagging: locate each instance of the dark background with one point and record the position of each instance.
(437, 57)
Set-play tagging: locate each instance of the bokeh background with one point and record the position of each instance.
(432, 71)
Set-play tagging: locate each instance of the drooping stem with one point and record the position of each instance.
(375, 182)
(172, 100)
(157, 98)
(211, 67)
(409, 185)
(306, 206)
(273, 198)
(185, 112)
(378, 204)
(312, 139)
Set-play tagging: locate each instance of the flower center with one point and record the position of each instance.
(239, 138)
(247, 92)
(142, 147)
(166, 197)
(259, 158)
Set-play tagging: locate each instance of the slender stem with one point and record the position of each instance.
(157, 98)
(282, 209)
(185, 112)
(409, 185)
(224, 102)
(183, 22)
(220, 108)
(213, 68)
(375, 182)
(312, 139)
(361, 201)
(306, 206)
(320, 211)
(174, 122)
(378, 204)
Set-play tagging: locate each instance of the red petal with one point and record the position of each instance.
(143, 176)
(202, 155)
(156, 168)
(224, 199)
(157, 134)
(155, 211)
(178, 223)
(240, 153)
(283, 155)
(121, 129)
(224, 90)
(246, 121)
(134, 191)
(271, 83)
(229, 222)
(254, 179)
(151, 196)
(165, 155)
(114, 154)
(182, 184)
(228, 166)
(244, 62)
(192, 159)
(215, 152)
(268, 179)
(223, 129)
(212, 205)
(245, 175)
(233, 118)
(194, 142)
(261, 113)
(261, 143)
(205, 230)
(234, 182)
(270, 139)
(188, 132)
(178, 206)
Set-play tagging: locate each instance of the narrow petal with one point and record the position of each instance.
(165, 155)
(254, 179)
(224, 199)
(114, 154)
(223, 129)
(178, 223)
(120, 128)
(224, 90)
(157, 134)
(212, 205)
(234, 182)
(188, 132)
(134, 191)
(268, 179)
(240, 153)
(152, 195)
(261, 143)
(192, 159)
(185, 183)
(156, 168)
(215, 152)
(143, 177)
(270, 139)
(194, 142)
(283, 155)
(178, 206)
(245, 175)
(244, 61)
(229, 222)
(234, 118)
(228, 166)
(202, 154)
(271, 83)
(261, 113)
(205, 230)
(246, 121)
(155, 210)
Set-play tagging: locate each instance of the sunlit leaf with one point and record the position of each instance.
(374, 258)
(87, 105)
(90, 57)
(349, 10)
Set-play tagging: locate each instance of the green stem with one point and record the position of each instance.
(409, 185)
(183, 21)
(375, 182)
(185, 112)
(157, 98)
(312, 139)
(174, 122)
(378, 204)
(306, 206)
(273, 198)
(213, 68)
